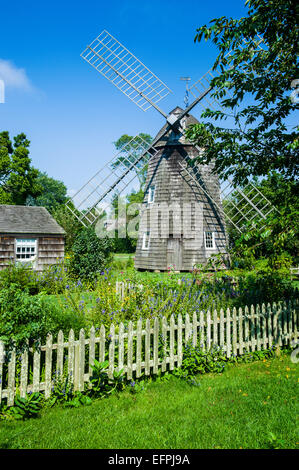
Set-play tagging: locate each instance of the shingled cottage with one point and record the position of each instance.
(29, 234)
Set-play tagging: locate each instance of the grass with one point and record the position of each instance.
(237, 409)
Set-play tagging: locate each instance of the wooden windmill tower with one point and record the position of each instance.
(182, 220)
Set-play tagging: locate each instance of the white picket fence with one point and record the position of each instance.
(145, 347)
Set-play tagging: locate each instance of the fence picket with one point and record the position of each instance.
(139, 348)
(269, 324)
(202, 330)
(112, 352)
(60, 348)
(234, 331)
(11, 376)
(215, 327)
(246, 329)
(36, 370)
(92, 349)
(187, 328)
(71, 357)
(180, 341)
(285, 323)
(2, 355)
(130, 351)
(194, 329)
(259, 327)
(275, 323)
(121, 346)
(241, 341)
(252, 328)
(156, 345)
(221, 328)
(208, 330)
(24, 372)
(164, 343)
(264, 327)
(147, 346)
(48, 366)
(102, 344)
(171, 343)
(228, 333)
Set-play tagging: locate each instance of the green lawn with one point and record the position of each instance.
(237, 409)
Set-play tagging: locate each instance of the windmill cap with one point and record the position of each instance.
(186, 121)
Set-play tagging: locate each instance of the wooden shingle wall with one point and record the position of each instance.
(50, 249)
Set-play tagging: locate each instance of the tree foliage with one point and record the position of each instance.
(18, 179)
(129, 152)
(259, 81)
(54, 193)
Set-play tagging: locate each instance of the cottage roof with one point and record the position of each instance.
(28, 219)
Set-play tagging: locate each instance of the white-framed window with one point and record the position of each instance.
(151, 194)
(146, 240)
(26, 249)
(210, 240)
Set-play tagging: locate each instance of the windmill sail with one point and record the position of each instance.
(92, 199)
(116, 63)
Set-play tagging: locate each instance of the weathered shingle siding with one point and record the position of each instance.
(30, 222)
(173, 185)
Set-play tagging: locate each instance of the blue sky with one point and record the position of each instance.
(69, 112)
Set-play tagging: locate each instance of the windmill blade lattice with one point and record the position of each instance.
(116, 63)
(92, 199)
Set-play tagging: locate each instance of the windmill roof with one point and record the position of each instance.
(28, 219)
(188, 120)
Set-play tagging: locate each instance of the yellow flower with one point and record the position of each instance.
(244, 394)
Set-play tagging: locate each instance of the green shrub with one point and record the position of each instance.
(22, 316)
(90, 254)
(21, 275)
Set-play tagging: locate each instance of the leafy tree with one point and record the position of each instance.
(260, 82)
(126, 147)
(71, 225)
(18, 179)
(54, 193)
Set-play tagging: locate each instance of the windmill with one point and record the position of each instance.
(173, 177)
